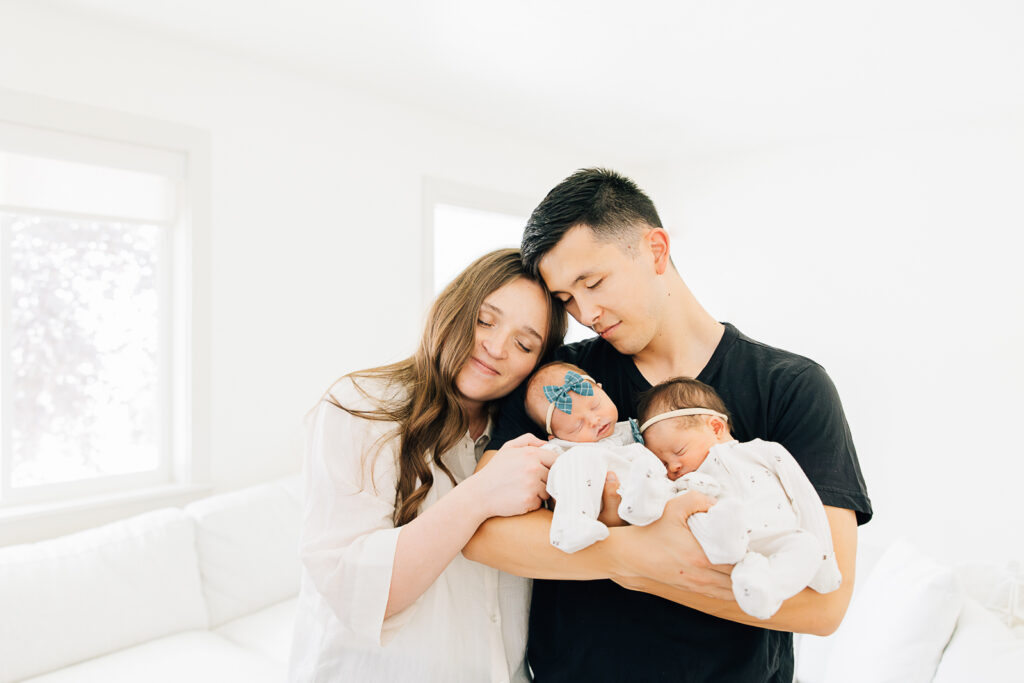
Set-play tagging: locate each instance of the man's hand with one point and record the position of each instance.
(610, 500)
(667, 552)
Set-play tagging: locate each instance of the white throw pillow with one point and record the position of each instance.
(982, 649)
(97, 591)
(998, 588)
(812, 652)
(901, 620)
(248, 544)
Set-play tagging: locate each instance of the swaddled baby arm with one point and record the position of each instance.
(645, 489)
(576, 482)
(722, 530)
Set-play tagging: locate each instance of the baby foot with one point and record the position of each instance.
(753, 587)
(577, 533)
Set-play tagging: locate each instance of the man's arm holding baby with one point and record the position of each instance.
(659, 553)
(662, 559)
(806, 612)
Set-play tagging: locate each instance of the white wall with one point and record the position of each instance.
(316, 214)
(888, 257)
(894, 259)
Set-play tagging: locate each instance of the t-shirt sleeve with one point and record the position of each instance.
(808, 420)
(511, 419)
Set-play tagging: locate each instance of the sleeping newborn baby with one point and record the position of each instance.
(768, 520)
(580, 420)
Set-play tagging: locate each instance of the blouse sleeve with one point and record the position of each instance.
(348, 536)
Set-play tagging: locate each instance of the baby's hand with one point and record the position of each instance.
(610, 502)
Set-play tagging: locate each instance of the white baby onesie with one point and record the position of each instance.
(576, 482)
(768, 521)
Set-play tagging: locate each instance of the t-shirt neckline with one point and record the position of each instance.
(729, 336)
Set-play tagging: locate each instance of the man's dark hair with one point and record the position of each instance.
(608, 203)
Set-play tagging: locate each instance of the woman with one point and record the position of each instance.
(386, 594)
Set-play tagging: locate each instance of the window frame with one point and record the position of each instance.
(437, 191)
(107, 137)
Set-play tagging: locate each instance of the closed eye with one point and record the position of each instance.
(595, 284)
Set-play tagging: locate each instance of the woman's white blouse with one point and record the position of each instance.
(470, 625)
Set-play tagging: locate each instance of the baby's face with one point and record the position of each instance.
(592, 419)
(680, 445)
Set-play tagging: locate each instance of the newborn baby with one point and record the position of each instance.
(768, 521)
(580, 420)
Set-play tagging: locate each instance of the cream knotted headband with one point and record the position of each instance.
(679, 413)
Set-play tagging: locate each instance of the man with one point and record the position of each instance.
(599, 245)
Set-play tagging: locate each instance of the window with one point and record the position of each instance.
(462, 225)
(97, 338)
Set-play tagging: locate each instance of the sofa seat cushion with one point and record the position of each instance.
(91, 593)
(268, 632)
(193, 656)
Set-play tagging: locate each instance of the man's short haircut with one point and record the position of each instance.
(678, 393)
(535, 385)
(608, 203)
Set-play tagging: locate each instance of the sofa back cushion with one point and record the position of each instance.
(90, 593)
(248, 548)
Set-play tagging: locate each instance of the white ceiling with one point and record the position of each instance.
(654, 77)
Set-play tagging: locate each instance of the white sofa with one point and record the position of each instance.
(201, 593)
(207, 593)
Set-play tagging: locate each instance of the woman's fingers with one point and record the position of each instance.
(547, 457)
(523, 440)
(515, 481)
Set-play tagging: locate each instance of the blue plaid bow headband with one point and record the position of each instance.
(558, 396)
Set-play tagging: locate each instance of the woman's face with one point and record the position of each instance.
(511, 326)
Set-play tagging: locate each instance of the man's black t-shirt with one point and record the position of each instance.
(599, 631)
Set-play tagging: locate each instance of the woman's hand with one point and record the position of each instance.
(514, 481)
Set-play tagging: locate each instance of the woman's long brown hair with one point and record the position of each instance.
(429, 414)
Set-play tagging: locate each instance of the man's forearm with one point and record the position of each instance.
(520, 545)
(665, 550)
(806, 612)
